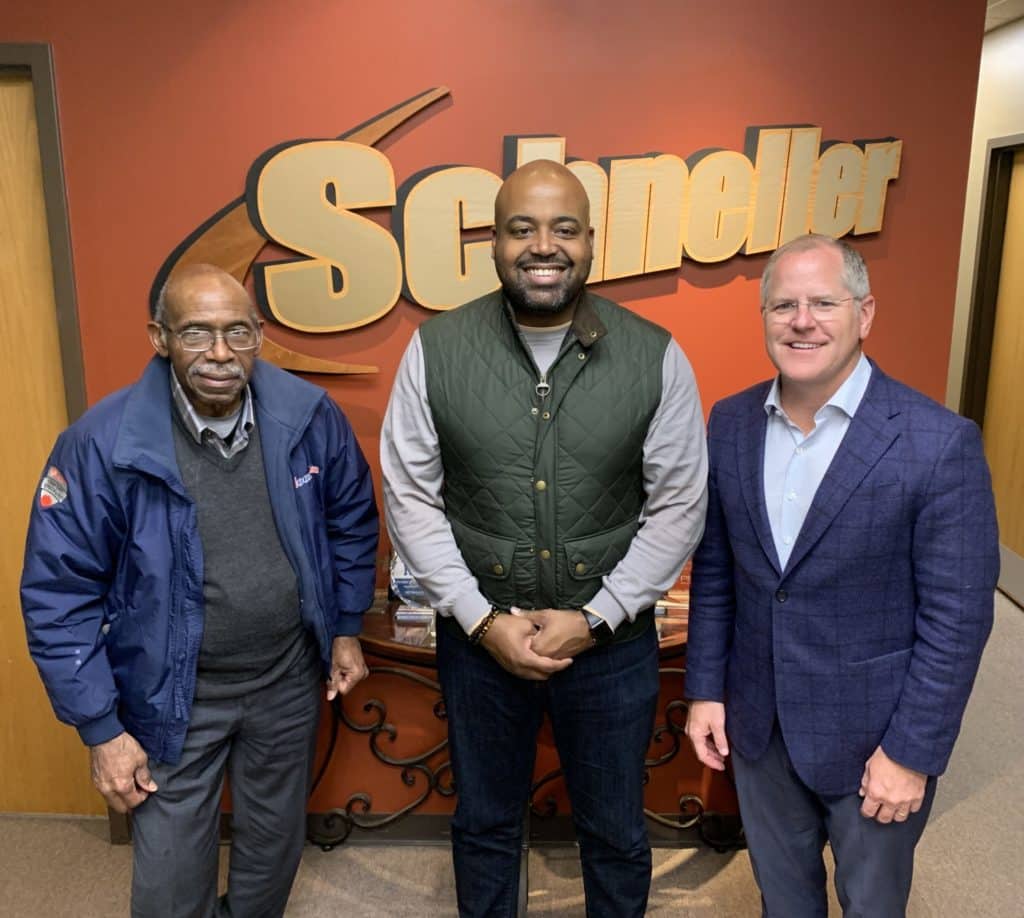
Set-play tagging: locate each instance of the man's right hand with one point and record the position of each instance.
(705, 726)
(120, 771)
(508, 641)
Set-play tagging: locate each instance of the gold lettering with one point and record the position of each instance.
(881, 166)
(838, 179)
(441, 270)
(645, 197)
(769, 149)
(803, 154)
(720, 189)
(595, 181)
(302, 199)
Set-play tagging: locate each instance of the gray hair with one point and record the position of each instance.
(854, 275)
(159, 313)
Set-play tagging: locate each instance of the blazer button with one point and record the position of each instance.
(781, 595)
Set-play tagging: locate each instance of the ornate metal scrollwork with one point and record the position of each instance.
(332, 828)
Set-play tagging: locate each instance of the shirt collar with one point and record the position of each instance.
(585, 324)
(846, 398)
(200, 430)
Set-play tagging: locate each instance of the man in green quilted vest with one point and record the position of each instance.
(544, 478)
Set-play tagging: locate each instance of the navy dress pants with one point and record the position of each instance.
(787, 825)
(602, 712)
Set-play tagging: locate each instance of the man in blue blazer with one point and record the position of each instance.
(841, 596)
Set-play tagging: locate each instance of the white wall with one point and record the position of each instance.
(999, 113)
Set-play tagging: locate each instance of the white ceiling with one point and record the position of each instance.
(1000, 12)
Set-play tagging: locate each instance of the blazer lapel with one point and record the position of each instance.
(750, 460)
(870, 434)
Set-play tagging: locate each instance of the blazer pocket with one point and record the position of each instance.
(894, 659)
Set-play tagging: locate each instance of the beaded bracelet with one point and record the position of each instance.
(477, 634)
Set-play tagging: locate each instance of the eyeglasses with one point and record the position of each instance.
(822, 308)
(238, 338)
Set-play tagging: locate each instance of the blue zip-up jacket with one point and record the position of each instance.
(112, 589)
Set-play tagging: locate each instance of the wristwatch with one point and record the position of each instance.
(600, 630)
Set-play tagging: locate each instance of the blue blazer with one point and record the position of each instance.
(873, 632)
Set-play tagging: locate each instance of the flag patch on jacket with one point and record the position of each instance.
(54, 488)
(301, 480)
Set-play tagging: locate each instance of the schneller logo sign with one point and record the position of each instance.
(649, 211)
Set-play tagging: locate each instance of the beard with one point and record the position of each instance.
(527, 299)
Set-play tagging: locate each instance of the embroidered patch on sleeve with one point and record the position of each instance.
(54, 488)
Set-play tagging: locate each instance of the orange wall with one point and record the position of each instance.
(163, 108)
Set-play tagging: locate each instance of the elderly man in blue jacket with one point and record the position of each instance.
(841, 596)
(200, 553)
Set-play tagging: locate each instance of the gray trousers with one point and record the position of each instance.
(787, 824)
(265, 742)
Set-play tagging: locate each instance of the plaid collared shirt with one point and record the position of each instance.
(205, 435)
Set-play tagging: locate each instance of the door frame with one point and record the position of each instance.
(999, 156)
(36, 60)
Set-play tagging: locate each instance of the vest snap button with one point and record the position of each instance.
(545, 554)
(546, 415)
(582, 356)
(581, 568)
(541, 485)
(498, 569)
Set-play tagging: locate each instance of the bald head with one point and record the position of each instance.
(543, 242)
(186, 281)
(541, 172)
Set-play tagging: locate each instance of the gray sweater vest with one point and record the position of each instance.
(252, 632)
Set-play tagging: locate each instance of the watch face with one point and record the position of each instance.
(602, 633)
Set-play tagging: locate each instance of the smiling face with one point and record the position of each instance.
(543, 242)
(814, 356)
(215, 379)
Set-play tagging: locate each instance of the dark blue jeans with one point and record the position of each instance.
(602, 712)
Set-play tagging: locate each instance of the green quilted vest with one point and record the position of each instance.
(543, 489)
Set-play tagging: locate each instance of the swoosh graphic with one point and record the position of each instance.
(228, 240)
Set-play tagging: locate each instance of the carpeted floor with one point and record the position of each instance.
(969, 864)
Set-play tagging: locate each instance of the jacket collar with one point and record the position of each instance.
(586, 326)
(284, 404)
(872, 430)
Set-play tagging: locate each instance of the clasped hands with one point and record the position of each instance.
(533, 645)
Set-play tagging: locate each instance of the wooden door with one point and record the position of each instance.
(1004, 403)
(44, 764)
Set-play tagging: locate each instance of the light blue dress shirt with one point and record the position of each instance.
(794, 464)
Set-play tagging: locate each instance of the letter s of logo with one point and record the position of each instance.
(229, 240)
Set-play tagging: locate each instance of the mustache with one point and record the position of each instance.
(535, 261)
(216, 370)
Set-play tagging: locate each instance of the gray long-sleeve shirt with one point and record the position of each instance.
(675, 481)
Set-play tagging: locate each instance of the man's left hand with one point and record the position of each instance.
(561, 633)
(891, 791)
(347, 666)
